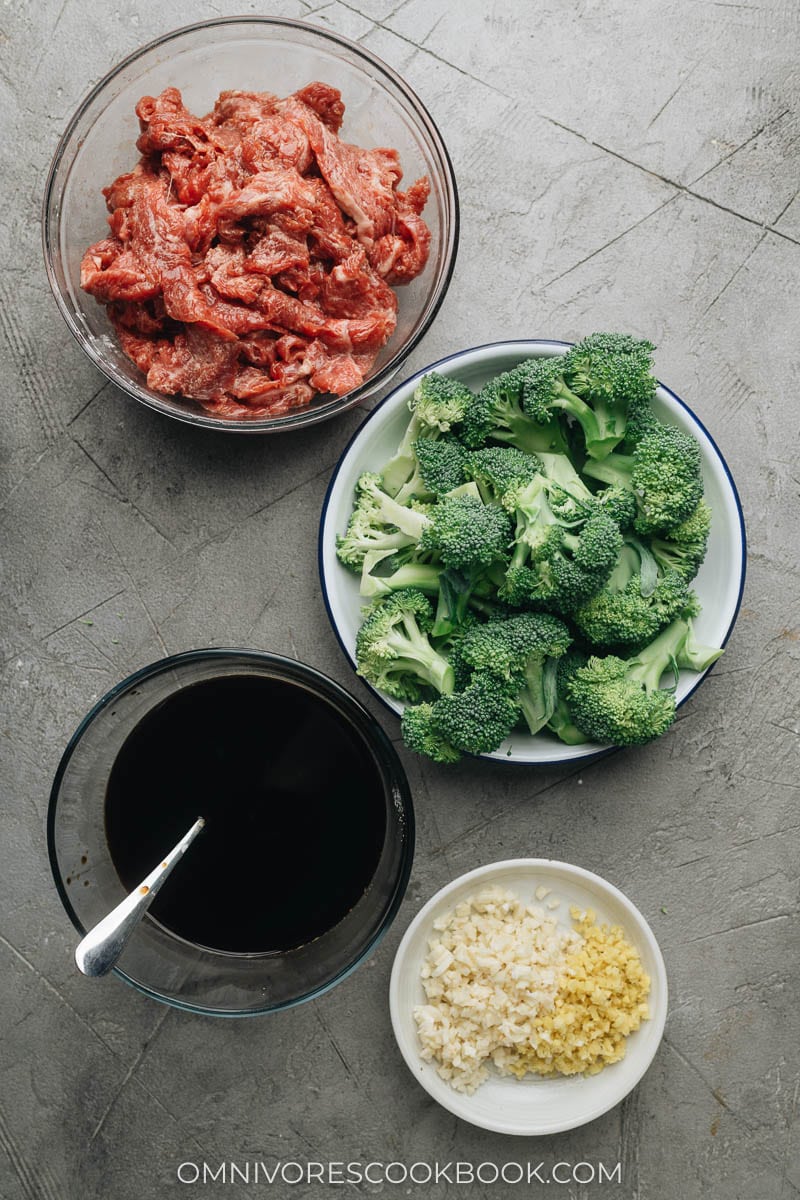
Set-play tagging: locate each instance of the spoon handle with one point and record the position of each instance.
(103, 944)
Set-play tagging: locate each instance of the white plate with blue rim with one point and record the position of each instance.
(719, 583)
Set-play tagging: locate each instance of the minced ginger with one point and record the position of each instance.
(601, 999)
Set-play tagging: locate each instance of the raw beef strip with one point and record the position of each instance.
(250, 252)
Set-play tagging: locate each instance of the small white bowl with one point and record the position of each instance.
(719, 583)
(532, 1106)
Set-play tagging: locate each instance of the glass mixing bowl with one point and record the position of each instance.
(159, 963)
(246, 53)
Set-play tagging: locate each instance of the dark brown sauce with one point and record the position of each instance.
(293, 803)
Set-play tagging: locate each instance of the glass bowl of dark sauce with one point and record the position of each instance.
(309, 828)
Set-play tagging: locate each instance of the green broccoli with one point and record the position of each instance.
(620, 504)
(558, 562)
(561, 723)
(523, 652)
(638, 600)
(597, 383)
(498, 470)
(503, 647)
(464, 532)
(684, 548)
(437, 404)
(451, 646)
(496, 414)
(394, 652)
(568, 494)
(393, 575)
(372, 526)
(552, 504)
(439, 468)
(460, 531)
(421, 735)
(611, 368)
(641, 420)
(664, 473)
(477, 719)
(385, 510)
(620, 701)
(461, 590)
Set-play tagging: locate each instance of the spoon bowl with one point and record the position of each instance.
(96, 954)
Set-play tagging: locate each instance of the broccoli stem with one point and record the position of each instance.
(413, 646)
(562, 726)
(695, 656)
(424, 576)
(414, 487)
(407, 520)
(534, 519)
(539, 697)
(615, 470)
(593, 433)
(403, 462)
(559, 469)
(660, 655)
(526, 434)
(626, 568)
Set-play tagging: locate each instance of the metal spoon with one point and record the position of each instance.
(103, 945)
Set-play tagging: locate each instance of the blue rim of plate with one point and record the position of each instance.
(325, 683)
(448, 358)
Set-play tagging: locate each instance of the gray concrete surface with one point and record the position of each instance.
(622, 163)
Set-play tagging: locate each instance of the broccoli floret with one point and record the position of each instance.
(464, 532)
(561, 723)
(641, 420)
(439, 468)
(504, 647)
(394, 652)
(612, 372)
(372, 526)
(558, 562)
(619, 503)
(496, 414)
(638, 600)
(664, 473)
(612, 368)
(460, 531)
(457, 530)
(683, 549)
(477, 719)
(597, 384)
(609, 704)
(386, 510)
(523, 652)
(421, 735)
(437, 404)
(498, 470)
(620, 701)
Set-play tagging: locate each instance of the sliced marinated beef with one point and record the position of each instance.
(251, 251)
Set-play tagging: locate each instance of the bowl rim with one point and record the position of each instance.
(659, 983)
(302, 418)
(371, 729)
(596, 751)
